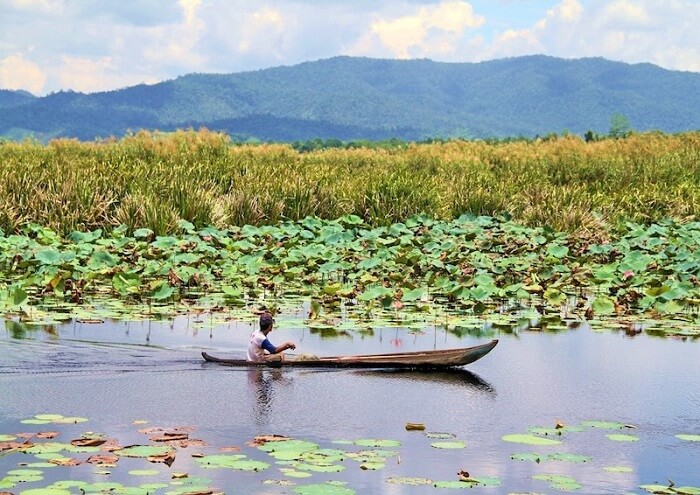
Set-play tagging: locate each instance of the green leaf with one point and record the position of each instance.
(603, 305)
(530, 439)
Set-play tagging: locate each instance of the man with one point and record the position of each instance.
(259, 343)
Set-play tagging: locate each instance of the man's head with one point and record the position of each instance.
(266, 321)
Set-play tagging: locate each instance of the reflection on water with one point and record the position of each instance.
(263, 384)
(459, 377)
(114, 373)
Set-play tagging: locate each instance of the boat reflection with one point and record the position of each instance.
(457, 376)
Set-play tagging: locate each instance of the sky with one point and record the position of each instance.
(100, 45)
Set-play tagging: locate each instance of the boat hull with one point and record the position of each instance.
(439, 359)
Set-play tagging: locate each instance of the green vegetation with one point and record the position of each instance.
(281, 461)
(350, 98)
(470, 264)
(155, 180)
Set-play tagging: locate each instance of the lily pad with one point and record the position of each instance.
(526, 457)
(407, 480)
(293, 473)
(323, 489)
(530, 439)
(449, 445)
(618, 469)
(559, 482)
(373, 442)
(563, 456)
(144, 472)
(689, 438)
(622, 437)
(145, 451)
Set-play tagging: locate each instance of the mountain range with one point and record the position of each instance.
(351, 98)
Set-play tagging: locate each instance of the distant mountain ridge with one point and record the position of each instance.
(360, 98)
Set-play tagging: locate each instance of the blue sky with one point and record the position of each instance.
(100, 45)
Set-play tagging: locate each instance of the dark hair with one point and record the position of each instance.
(266, 321)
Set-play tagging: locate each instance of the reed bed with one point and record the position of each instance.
(153, 180)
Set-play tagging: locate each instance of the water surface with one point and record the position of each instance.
(115, 373)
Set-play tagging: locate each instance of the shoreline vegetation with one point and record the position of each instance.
(571, 228)
(154, 180)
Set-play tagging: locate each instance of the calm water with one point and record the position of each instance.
(115, 373)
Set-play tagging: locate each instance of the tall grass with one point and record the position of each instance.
(153, 180)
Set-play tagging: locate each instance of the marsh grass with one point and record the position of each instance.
(152, 180)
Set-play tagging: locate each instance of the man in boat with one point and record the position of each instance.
(260, 348)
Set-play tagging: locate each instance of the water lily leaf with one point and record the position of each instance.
(603, 305)
(622, 438)
(439, 435)
(448, 445)
(618, 469)
(144, 472)
(323, 489)
(375, 292)
(557, 251)
(49, 256)
(143, 233)
(468, 483)
(526, 457)
(46, 491)
(18, 296)
(165, 291)
(689, 438)
(407, 480)
(530, 439)
(293, 473)
(373, 442)
(559, 482)
(562, 456)
(413, 294)
(144, 451)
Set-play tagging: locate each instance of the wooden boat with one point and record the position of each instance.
(448, 358)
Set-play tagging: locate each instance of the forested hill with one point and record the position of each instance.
(359, 98)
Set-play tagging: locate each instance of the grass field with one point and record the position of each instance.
(153, 180)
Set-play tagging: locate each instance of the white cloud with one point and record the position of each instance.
(430, 31)
(190, 9)
(625, 13)
(37, 6)
(97, 45)
(18, 73)
(663, 32)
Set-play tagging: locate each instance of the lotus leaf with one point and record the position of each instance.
(145, 451)
(569, 457)
(689, 438)
(373, 442)
(618, 469)
(293, 473)
(448, 445)
(622, 438)
(411, 481)
(46, 491)
(323, 489)
(144, 472)
(559, 482)
(530, 439)
(526, 457)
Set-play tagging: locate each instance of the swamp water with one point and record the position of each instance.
(126, 376)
